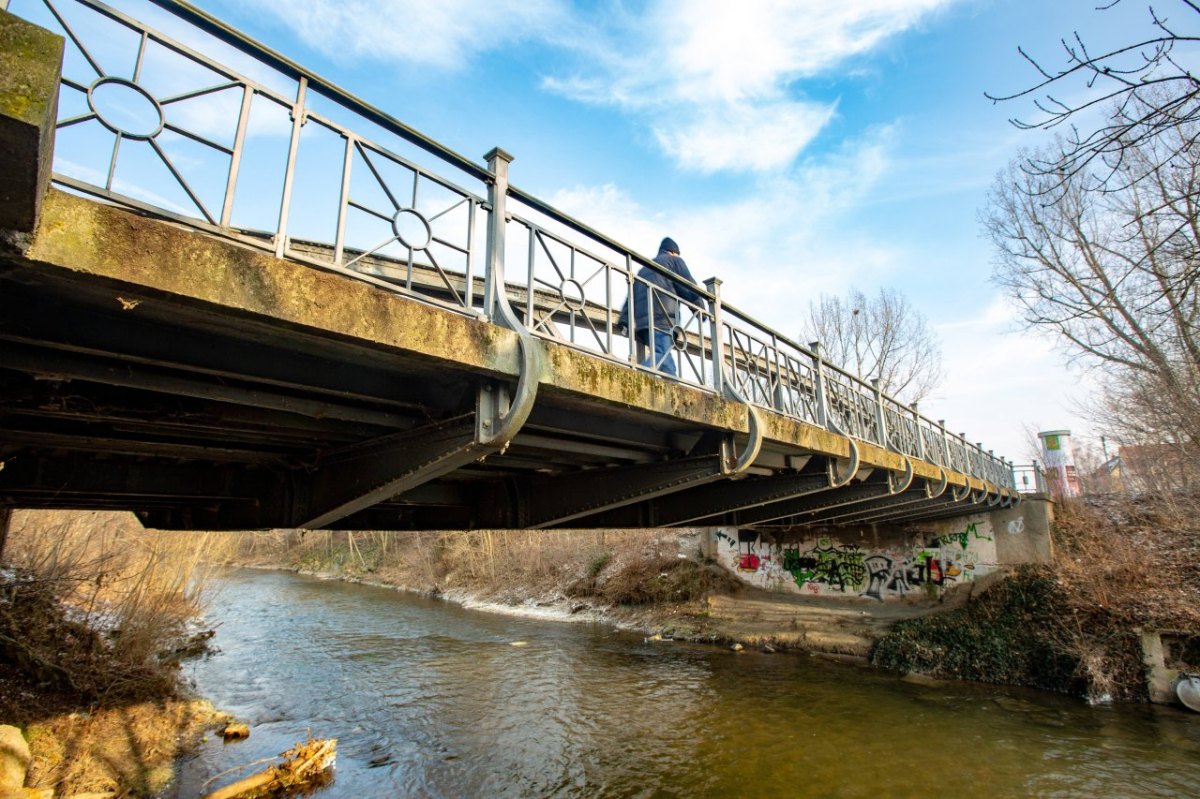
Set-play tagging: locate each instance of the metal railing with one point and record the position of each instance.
(1029, 478)
(210, 128)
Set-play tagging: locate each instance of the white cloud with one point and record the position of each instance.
(724, 74)
(445, 34)
(717, 50)
(744, 136)
(1001, 379)
(724, 71)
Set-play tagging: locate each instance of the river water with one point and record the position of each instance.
(428, 699)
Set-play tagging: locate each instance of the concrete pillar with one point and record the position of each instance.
(1160, 680)
(1023, 533)
(30, 67)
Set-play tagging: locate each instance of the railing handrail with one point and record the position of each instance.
(235, 38)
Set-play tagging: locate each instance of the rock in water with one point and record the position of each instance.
(235, 731)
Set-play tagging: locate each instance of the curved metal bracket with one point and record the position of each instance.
(838, 480)
(905, 482)
(527, 380)
(754, 424)
(941, 487)
(993, 503)
(975, 500)
(1017, 499)
(960, 496)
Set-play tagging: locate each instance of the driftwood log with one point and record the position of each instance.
(303, 765)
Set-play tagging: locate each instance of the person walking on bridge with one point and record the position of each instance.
(656, 299)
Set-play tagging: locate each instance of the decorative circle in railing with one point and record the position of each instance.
(678, 338)
(412, 229)
(126, 108)
(571, 292)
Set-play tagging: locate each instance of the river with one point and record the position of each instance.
(428, 699)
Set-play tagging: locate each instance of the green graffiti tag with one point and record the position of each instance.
(964, 538)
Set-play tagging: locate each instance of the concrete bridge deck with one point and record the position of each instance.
(210, 378)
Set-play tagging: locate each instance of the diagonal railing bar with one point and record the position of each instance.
(192, 95)
(362, 149)
(75, 39)
(73, 84)
(368, 210)
(196, 137)
(442, 213)
(442, 273)
(166, 159)
(75, 120)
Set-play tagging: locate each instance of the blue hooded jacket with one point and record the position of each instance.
(666, 293)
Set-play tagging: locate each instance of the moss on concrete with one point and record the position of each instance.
(30, 63)
(160, 260)
(30, 59)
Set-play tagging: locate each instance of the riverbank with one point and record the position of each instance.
(96, 614)
(655, 582)
(1124, 580)
(1122, 569)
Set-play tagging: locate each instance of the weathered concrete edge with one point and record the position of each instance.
(30, 67)
(160, 261)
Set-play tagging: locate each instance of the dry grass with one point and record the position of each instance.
(1125, 564)
(120, 596)
(93, 611)
(123, 751)
(608, 567)
(1131, 561)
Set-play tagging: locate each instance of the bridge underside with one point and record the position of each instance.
(149, 368)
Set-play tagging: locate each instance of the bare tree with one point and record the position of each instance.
(1114, 274)
(1144, 91)
(878, 337)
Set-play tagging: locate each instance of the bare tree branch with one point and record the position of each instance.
(878, 337)
(1147, 89)
(1114, 272)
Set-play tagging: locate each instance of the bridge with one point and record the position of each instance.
(234, 296)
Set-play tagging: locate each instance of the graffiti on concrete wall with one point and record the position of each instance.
(825, 566)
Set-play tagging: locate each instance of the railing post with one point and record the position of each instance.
(880, 421)
(635, 355)
(497, 161)
(946, 444)
(920, 433)
(819, 384)
(289, 173)
(713, 284)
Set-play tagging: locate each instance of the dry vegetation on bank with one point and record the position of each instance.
(95, 614)
(580, 568)
(1121, 565)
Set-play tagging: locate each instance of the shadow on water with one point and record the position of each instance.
(428, 699)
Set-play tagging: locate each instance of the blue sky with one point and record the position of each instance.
(791, 148)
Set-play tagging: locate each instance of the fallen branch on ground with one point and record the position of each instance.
(303, 765)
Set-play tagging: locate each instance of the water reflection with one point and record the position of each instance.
(428, 699)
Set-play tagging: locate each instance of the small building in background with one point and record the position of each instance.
(1059, 460)
(1143, 468)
